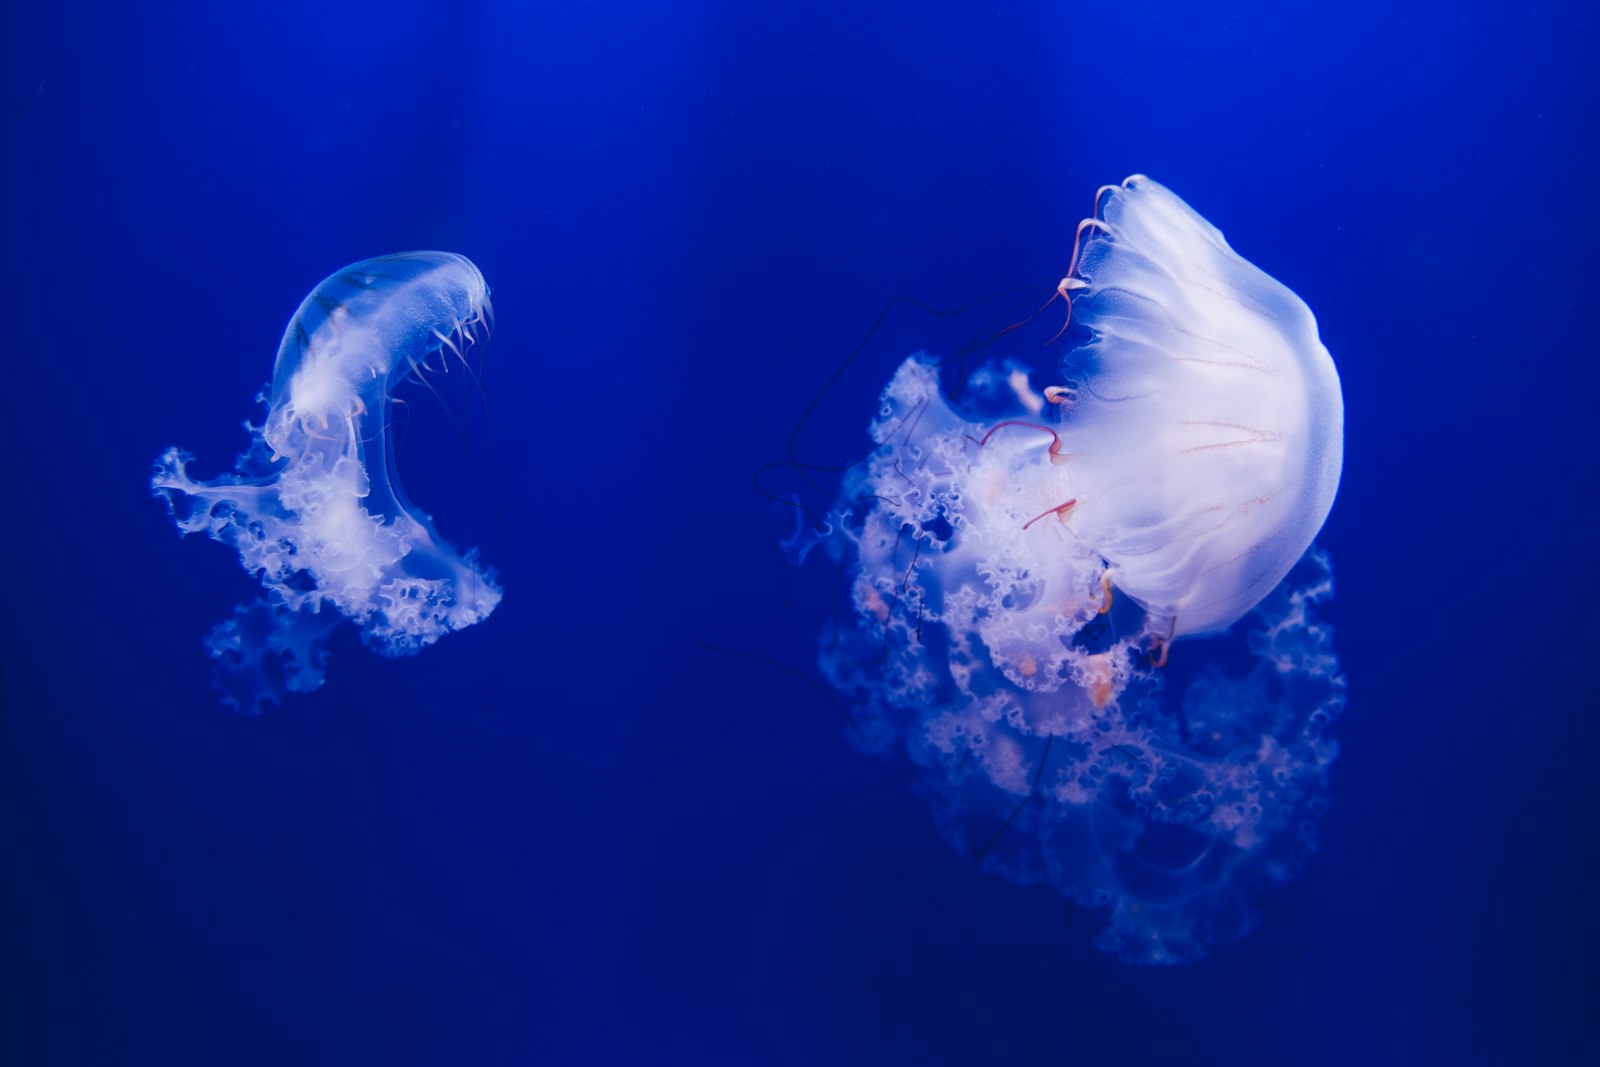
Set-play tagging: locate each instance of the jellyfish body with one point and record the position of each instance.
(1208, 437)
(315, 507)
(987, 635)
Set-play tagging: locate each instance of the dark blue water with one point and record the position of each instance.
(573, 834)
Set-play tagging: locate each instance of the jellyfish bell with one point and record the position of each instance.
(355, 338)
(315, 507)
(1207, 436)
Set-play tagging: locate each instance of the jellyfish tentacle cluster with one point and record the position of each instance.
(315, 507)
(1193, 457)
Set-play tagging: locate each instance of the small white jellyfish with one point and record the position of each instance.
(315, 507)
(1187, 456)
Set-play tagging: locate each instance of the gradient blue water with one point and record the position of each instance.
(572, 835)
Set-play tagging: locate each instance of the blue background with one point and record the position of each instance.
(574, 834)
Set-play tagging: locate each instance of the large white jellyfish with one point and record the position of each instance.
(315, 507)
(1182, 461)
